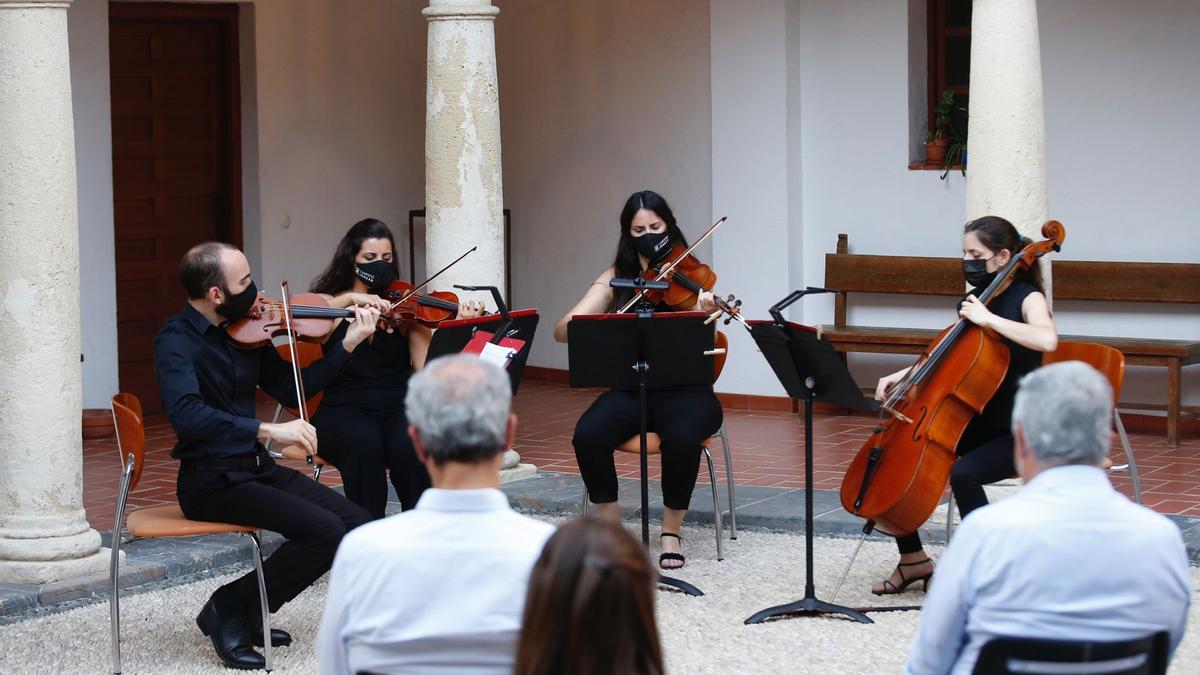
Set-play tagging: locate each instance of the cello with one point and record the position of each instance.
(896, 480)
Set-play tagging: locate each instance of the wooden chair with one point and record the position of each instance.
(1111, 363)
(1142, 656)
(653, 447)
(160, 521)
(307, 352)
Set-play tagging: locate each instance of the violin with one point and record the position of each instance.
(311, 318)
(688, 277)
(427, 309)
(896, 480)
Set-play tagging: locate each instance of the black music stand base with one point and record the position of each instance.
(809, 605)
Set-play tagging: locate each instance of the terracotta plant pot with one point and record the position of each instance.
(98, 423)
(935, 151)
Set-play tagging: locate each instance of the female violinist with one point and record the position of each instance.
(1021, 316)
(683, 418)
(361, 425)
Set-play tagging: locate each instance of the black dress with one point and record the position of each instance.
(362, 428)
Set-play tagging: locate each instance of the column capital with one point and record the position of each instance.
(459, 10)
(35, 4)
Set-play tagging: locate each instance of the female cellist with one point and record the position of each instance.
(1021, 316)
(683, 418)
(361, 425)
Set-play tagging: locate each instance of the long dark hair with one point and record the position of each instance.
(626, 263)
(997, 234)
(590, 606)
(339, 277)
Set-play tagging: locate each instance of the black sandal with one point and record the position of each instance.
(663, 557)
(892, 589)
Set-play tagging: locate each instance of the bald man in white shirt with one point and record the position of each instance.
(440, 588)
(1067, 557)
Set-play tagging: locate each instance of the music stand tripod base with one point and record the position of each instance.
(807, 606)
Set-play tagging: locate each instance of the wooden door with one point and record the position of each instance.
(176, 162)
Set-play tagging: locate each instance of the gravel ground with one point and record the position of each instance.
(700, 635)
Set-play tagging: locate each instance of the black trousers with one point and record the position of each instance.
(368, 447)
(985, 456)
(312, 517)
(683, 419)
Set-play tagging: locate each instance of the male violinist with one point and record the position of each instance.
(207, 385)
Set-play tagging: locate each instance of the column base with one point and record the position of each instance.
(47, 571)
(518, 472)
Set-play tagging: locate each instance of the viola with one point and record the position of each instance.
(427, 309)
(896, 480)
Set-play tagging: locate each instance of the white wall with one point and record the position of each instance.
(341, 123)
(87, 26)
(854, 119)
(598, 99)
(751, 174)
(1122, 83)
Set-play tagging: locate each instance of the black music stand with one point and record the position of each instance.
(452, 336)
(810, 369)
(640, 351)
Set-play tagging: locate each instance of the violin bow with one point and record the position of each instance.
(667, 270)
(425, 283)
(302, 400)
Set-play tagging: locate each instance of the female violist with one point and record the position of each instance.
(361, 425)
(683, 418)
(1021, 316)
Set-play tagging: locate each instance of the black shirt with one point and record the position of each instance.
(377, 377)
(207, 385)
(997, 413)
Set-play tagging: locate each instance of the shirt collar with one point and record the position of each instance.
(1082, 477)
(485, 499)
(195, 319)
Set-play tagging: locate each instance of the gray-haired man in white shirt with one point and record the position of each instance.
(440, 588)
(1067, 557)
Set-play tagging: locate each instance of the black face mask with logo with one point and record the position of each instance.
(237, 305)
(976, 273)
(377, 274)
(654, 246)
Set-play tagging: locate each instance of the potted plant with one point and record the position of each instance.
(956, 154)
(938, 140)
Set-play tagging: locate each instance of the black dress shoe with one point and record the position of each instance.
(279, 638)
(229, 639)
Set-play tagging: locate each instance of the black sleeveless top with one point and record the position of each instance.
(997, 414)
(376, 378)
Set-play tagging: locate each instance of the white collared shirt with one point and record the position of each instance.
(440, 588)
(1066, 558)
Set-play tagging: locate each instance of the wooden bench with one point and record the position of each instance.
(1071, 280)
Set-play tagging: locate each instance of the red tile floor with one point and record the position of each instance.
(768, 450)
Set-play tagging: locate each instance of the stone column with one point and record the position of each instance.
(463, 194)
(1007, 172)
(464, 197)
(44, 535)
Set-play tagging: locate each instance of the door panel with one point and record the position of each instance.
(176, 159)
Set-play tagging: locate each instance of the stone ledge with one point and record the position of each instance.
(152, 562)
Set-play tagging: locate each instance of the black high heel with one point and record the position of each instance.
(892, 589)
(663, 557)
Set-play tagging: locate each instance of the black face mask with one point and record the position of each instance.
(377, 274)
(976, 274)
(653, 245)
(237, 305)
